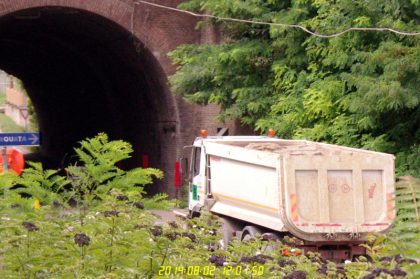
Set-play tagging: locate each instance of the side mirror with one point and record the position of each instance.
(184, 168)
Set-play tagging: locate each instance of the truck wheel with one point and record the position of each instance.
(228, 229)
(246, 237)
(272, 241)
(193, 214)
(249, 232)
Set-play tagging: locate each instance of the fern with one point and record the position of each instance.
(97, 173)
(6, 182)
(158, 201)
(41, 184)
(408, 203)
(404, 237)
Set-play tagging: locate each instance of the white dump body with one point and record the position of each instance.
(315, 191)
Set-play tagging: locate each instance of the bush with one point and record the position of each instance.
(409, 162)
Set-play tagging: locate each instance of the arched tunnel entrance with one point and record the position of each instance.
(85, 74)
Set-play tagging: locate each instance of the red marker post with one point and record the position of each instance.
(12, 160)
(145, 161)
(177, 177)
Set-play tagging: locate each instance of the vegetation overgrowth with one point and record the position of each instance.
(95, 222)
(7, 125)
(359, 89)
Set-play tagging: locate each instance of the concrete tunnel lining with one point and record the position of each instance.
(86, 74)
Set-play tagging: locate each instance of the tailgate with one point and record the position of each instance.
(338, 196)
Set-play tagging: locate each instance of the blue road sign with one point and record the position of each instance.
(13, 139)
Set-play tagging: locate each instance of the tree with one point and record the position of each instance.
(358, 89)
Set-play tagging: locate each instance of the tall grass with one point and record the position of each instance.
(2, 98)
(8, 126)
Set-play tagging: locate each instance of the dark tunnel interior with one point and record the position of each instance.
(85, 74)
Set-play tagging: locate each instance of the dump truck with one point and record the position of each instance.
(326, 196)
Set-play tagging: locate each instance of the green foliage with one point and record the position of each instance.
(7, 125)
(97, 173)
(2, 98)
(49, 250)
(33, 117)
(113, 236)
(404, 238)
(41, 184)
(238, 71)
(409, 161)
(7, 182)
(118, 240)
(104, 235)
(359, 89)
(407, 225)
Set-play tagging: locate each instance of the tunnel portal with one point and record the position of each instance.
(86, 74)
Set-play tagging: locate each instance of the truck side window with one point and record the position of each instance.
(197, 155)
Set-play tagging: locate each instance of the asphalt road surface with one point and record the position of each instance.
(163, 216)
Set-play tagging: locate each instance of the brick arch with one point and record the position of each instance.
(130, 16)
(147, 35)
(159, 30)
(144, 37)
(115, 10)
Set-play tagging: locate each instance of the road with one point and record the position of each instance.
(164, 216)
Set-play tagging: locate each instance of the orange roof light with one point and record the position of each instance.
(203, 133)
(271, 133)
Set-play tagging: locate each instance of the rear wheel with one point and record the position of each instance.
(228, 231)
(273, 242)
(271, 239)
(247, 237)
(250, 232)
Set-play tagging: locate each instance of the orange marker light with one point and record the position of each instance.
(271, 133)
(203, 133)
